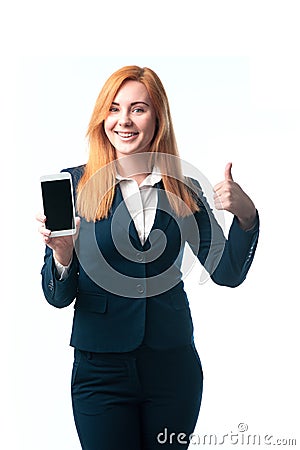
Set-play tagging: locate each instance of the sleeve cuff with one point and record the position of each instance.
(254, 226)
(62, 271)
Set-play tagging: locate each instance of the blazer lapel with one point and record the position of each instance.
(121, 216)
(163, 213)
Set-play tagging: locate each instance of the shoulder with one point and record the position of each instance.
(195, 189)
(76, 173)
(192, 183)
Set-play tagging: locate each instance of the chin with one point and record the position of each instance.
(126, 152)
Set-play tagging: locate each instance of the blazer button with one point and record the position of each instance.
(51, 285)
(140, 288)
(139, 256)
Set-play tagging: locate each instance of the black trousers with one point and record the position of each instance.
(141, 400)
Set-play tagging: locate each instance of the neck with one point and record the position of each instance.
(136, 166)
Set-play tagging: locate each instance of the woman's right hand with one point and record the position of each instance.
(62, 246)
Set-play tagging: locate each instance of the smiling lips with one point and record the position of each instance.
(126, 135)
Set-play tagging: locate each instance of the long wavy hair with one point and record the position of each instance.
(96, 188)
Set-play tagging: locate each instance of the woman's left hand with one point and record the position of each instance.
(230, 197)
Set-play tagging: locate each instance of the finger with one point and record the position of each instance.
(218, 204)
(40, 217)
(223, 186)
(216, 196)
(77, 222)
(217, 200)
(218, 186)
(44, 231)
(77, 225)
(228, 175)
(47, 239)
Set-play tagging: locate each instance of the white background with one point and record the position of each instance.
(231, 70)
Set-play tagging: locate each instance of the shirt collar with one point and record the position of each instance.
(150, 180)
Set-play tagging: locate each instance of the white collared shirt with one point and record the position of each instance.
(141, 202)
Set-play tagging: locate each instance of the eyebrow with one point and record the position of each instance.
(131, 104)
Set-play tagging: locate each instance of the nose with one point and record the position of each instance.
(125, 120)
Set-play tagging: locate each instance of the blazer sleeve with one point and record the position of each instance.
(59, 293)
(226, 260)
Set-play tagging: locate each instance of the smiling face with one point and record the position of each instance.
(130, 125)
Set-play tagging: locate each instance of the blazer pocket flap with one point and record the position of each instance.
(91, 302)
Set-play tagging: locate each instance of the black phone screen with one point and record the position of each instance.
(58, 205)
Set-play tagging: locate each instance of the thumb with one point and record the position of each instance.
(228, 176)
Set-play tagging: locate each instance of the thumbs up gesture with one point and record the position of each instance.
(229, 196)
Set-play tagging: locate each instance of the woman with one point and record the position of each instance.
(137, 377)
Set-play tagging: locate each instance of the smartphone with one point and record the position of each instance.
(58, 203)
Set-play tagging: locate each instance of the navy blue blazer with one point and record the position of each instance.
(127, 293)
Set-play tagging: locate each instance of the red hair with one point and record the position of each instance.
(96, 193)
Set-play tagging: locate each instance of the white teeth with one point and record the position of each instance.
(125, 135)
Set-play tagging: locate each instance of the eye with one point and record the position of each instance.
(113, 109)
(138, 110)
